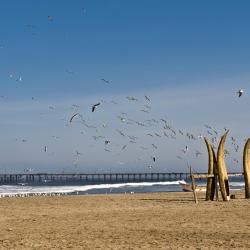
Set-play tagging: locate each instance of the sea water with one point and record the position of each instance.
(73, 188)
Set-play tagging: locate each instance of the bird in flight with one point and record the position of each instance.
(197, 153)
(72, 117)
(104, 80)
(83, 11)
(50, 18)
(131, 98)
(94, 106)
(19, 79)
(240, 92)
(147, 98)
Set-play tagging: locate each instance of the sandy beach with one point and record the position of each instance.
(124, 221)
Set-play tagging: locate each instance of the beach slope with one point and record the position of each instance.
(124, 221)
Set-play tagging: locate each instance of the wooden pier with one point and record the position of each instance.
(93, 178)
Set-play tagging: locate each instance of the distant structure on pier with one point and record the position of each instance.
(92, 178)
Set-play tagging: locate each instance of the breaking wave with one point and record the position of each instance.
(23, 188)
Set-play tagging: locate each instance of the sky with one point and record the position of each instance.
(189, 57)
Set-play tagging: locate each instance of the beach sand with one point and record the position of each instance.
(124, 221)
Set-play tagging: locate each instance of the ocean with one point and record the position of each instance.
(81, 188)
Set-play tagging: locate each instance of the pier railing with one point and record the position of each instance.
(95, 177)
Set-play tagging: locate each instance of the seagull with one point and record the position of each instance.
(140, 124)
(121, 133)
(28, 170)
(70, 71)
(181, 132)
(19, 79)
(84, 11)
(50, 18)
(240, 92)
(215, 132)
(131, 137)
(147, 98)
(78, 153)
(185, 150)
(207, 126)
(131, 141)
(131, 98)
(173, 131)
(197, 153)
(209, 132)
(144, 110)
(104, 80)
(150, 135)
(107, 142)
(193, 137)
(94, 106)
(235, 160)
(147, 106)
(157, 135)
(214, 139)
(165, 134)
(121, 118)
(30, 26)
(72, 117)
(200, 136)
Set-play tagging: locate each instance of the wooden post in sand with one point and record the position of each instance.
(222, 170)
(193, 185)
(211, 184)
(246, 168)
(216, 184)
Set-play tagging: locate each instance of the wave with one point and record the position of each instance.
(237, 184)
(21, 190)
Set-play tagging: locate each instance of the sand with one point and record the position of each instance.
(124, 221)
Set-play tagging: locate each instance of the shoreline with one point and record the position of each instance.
(169, 220)
(102, 188)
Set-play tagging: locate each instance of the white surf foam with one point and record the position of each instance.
(237, 184)
(6, 190)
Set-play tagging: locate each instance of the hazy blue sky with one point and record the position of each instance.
(189, 57)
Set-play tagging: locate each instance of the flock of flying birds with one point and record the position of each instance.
(147, 128)
(167, 131)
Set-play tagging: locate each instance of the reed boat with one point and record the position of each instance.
(188, 187)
